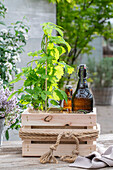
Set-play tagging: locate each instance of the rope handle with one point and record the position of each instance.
(49, 157)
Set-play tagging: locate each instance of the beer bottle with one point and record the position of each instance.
(67, 106)
(82, 98)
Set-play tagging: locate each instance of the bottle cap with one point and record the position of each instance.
(82, 68)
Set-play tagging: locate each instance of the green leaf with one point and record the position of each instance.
(55, 96)
(18, 22)
(43, 59)
(36, 95)
(63, 94)
(50, 46)
(29, 91)
(44, 76)
(48, 92)
(19, 75)
(15, 80)
(26, 69)
(43, 96)
(14, 124)
(54, 102)
(60, 40)
(26, 97)
(59, 31)
(56, 54)
(51, 24)
(61, 50)
(27, 83)
(70, 69)
(7, 134)
(48, 28)
(24, 102)
(2, 23)
(20, 90)
(59, 94)
(33, 54)
(12, 95)
(59, 71)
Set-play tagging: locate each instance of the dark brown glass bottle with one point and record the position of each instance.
(82, 98)
(67, 106)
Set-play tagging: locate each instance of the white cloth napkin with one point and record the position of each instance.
(95, 160)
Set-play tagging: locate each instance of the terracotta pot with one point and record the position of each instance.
(102, 96)
(1, 129)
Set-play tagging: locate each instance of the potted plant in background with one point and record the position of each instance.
(9, 113)
(101, 74)
(41, 80)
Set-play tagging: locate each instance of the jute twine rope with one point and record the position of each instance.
(49, 157)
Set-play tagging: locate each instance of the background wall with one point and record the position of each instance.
(97, 53)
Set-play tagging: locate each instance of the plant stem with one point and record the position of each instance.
(46, 80)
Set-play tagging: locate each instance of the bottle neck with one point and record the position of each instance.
(82, 83)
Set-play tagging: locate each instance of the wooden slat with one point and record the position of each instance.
(26, 127)
(90, 142)
(47, 119)
(63, 149)
(89, 127)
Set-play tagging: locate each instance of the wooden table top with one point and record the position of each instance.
(11, 157)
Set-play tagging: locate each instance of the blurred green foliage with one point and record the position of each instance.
(83, 20)
(101, 73)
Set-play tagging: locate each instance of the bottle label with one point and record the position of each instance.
(82, 104)
(84, 107)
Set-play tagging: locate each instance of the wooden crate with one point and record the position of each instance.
(57, 123)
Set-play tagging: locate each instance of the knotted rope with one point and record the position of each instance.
(49, 157)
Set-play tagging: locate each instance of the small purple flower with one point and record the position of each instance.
(8, 109)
